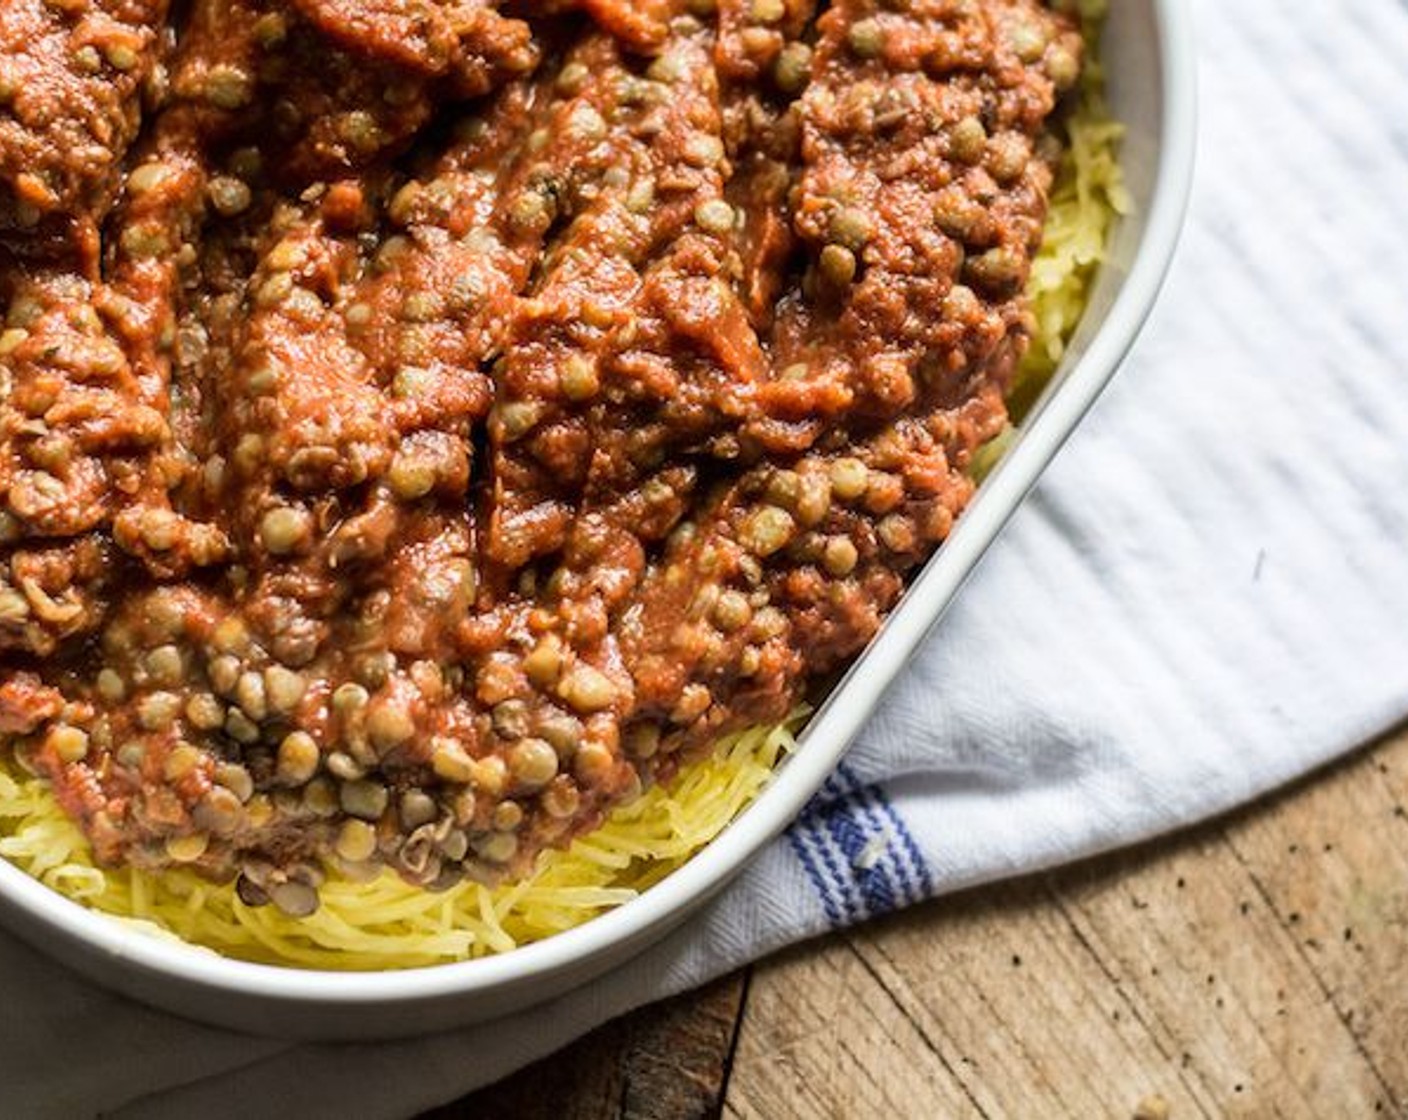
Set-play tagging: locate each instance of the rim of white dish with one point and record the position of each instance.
(804, 772)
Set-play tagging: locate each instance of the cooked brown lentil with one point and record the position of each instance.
(727, 291)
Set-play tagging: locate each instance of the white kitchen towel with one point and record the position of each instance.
(1207, 596)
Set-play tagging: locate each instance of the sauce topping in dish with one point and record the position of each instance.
(425, 422)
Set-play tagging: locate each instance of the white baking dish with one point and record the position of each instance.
(1148, 52)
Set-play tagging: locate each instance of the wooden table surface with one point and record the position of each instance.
(1256, 966)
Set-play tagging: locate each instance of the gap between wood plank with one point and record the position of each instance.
(747, 974)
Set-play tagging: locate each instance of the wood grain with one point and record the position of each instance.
(1256, 966)
(666, 1060)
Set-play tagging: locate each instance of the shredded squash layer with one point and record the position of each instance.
(389, 924)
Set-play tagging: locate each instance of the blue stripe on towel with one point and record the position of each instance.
(812, 830)
(818, 880)
(832, 837)
(907, 841)
(868, 799)
(848, 830)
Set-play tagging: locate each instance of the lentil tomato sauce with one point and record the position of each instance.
(426, 421)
